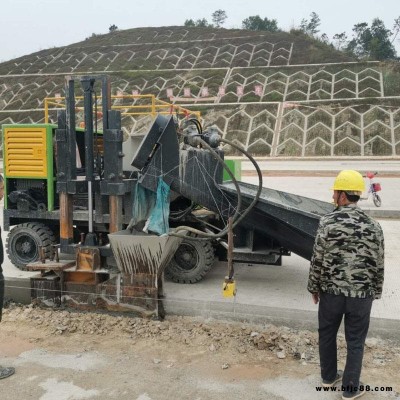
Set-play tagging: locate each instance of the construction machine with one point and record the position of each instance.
(75, 202)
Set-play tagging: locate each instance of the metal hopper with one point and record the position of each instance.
(141, 259)
(141, 253)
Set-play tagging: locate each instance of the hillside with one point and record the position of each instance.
(175, 48)
(274, 86)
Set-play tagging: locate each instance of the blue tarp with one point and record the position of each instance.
(143, 203)
(158, 220)
(152, 208)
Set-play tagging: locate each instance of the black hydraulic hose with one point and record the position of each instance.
(198, 125)
(252, 204)
(260, 178)
(207, 236)
(176, 216)
(236, 219)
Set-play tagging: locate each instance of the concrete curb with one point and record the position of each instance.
(293, 318)
(18, 289)
(312, 173)
(390, 214)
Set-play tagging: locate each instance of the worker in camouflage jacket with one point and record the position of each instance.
(4, 371)
(346, 275)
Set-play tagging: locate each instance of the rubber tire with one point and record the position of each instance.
(204, 252)
(377, 200)
(35, 235)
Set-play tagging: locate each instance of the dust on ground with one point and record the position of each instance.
(67, 355)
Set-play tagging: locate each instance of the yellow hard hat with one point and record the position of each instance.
(349, 180)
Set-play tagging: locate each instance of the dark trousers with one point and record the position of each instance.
(356, 314)
(1, 291)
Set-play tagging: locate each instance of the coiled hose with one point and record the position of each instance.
(236, 218)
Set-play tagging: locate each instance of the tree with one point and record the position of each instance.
(396, 28)
(372, 42)
(256, 23)
(311, 27)
(380, 47)
(218, 18)
(113, 28)
(340, 40)
(189, 22)
(199, 22)
(361, 37)
(324, 38)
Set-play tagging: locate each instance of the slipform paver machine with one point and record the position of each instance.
(71, 191)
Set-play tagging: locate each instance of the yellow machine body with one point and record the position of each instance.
(26, 151)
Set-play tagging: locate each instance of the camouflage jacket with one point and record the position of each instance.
(348, 255)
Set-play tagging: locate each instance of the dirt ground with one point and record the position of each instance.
(63, 355)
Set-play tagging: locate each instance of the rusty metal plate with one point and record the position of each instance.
(50, 265)
(87, 258)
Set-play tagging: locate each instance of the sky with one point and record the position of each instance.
(27, 26)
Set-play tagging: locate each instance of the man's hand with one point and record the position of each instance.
(315, 297)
